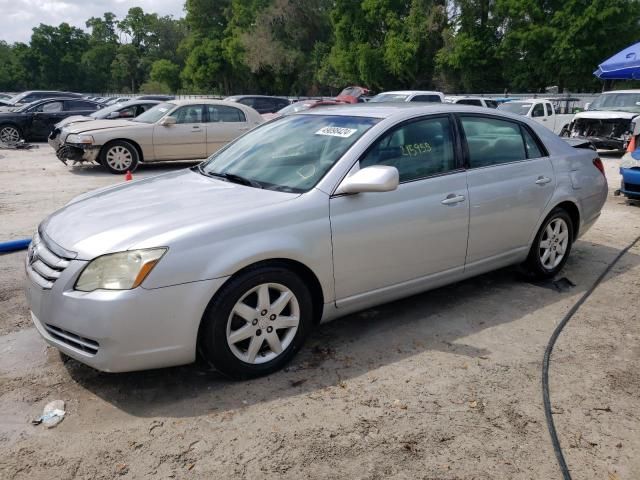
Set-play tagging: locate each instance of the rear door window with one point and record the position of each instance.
(492, 141)
(418, 149)
(491, 103)
(73, 105)
(248, 101)
(427, 98)
(533, 149)
(223, 113)
(469, 101)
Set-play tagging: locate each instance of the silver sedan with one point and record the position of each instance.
(304, 219)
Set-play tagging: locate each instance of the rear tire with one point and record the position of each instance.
(551, 246)
(256, 323)
(119, 157)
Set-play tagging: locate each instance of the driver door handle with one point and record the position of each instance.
(542, 180)
(452, 199)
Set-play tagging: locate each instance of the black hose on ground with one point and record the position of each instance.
(547, 359)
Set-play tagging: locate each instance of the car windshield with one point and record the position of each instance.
(295, 107)
(26, 106)
(518, 108)
(390, 97)
(17, 98)
(104, 112)
(622, 102)
(154, 114)
(290, 154)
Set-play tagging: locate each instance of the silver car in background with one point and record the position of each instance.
(304, 219)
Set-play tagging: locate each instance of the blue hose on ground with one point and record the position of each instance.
(14, 245)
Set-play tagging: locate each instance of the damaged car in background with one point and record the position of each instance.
(177, 130)
(610, 120)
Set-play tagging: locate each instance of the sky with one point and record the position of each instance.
(18, 17)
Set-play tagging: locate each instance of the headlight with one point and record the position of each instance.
(86, 139)
(119, 271)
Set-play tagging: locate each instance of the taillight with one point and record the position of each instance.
(598, 164)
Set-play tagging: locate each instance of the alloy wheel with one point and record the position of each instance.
(263, 323)
(119, 158)
(553, 243)
(9, 135)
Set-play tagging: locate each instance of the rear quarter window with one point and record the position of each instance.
(492, 141)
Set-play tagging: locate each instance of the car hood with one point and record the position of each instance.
(73, 119)
(152, 212)
(605, 115)
(84, 127)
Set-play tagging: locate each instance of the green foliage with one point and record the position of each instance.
(319, 46)
(167, 73)
(153, 86)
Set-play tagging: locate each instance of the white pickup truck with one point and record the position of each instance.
(542, 111)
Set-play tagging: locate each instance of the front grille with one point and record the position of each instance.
(76, 341)
(44, 266)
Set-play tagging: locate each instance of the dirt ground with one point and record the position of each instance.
(443, 385)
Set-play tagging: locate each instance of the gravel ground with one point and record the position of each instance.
(443, 385)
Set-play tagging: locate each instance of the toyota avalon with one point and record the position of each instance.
(301, 220)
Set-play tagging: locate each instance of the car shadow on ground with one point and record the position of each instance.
(144, 169)
(358, 344)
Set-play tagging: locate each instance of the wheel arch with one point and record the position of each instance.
(574, 212)
(307, 275)
(132, 142)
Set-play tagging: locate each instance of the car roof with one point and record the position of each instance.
(200, 101)
(529, 100)
(257, 96)
(411, 92)
(130, 103)
(387, 110)
(621, 91)
(51, 91)
(467, 97)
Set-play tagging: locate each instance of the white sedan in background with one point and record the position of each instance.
(175, 130)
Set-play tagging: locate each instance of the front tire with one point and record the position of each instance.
(119, 157)
(10, 134)
(552, 245)
(257, 322)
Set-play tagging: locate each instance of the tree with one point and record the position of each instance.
(165, 72)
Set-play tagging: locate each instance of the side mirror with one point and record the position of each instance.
(114, 115)
(168, 121)
(378, 178)
(587, 105)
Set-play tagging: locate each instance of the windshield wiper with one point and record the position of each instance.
(233, 178)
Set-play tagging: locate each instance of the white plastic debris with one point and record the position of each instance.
(52, 414)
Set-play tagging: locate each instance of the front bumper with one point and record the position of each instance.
(630, 185)
(118, 331)
(605, 143)
(71, 151)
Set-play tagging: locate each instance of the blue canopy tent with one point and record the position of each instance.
(624, 65)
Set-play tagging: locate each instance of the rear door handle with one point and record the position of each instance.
(542, 180)
(452, 199)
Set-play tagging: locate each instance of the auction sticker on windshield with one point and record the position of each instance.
(337, 131)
